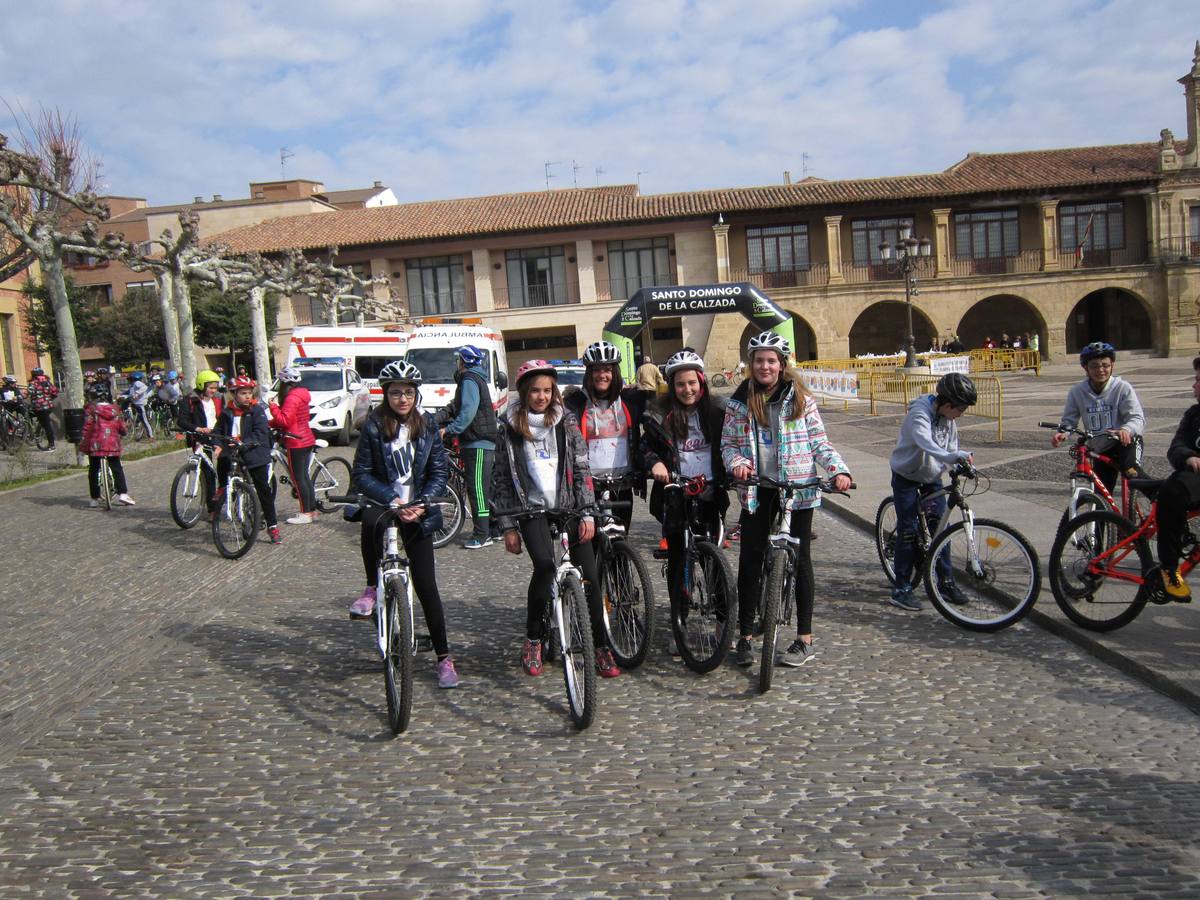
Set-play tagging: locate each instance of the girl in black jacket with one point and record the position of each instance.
(1179, 494)
(246, 420)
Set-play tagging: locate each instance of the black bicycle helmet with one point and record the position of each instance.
(956, 389)
(1097, 350)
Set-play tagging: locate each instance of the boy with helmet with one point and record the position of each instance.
(400, 459)
(1102, 402)
(138, 394)
(11, 395)
(246, 422)
(471, 420)
(199, 414)
(42, 393)
(926, 448)
(610, 419)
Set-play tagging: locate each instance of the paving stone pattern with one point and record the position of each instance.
(176, 725)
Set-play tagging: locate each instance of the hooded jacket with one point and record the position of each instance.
(634, 402)
(374, 472)
(292, 417)
(928, 443)
(255, 432)
(1116, 406)
(658, 446)
(103, 426)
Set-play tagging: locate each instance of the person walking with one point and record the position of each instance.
(471, 420)
(42, 393)
(103, 426)
(649, 378)
(290, 416)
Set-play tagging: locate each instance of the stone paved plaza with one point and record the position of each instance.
(176, 725)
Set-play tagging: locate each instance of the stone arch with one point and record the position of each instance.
(998, 315)
(806, 338)
(1111, 314)
(882, 327)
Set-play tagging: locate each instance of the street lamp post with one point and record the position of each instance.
(905, 258)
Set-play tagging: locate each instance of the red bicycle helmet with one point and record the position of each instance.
(242, 381)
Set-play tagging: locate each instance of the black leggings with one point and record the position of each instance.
(259, 477)
(755, 528)
(419, 548)
(1179, 493)
(710, 513)
(299, 460)
(536, 535)
(47, 421)
(114, 463)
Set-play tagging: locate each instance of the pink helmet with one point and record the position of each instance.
(536, 367)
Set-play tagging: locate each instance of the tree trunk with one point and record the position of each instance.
(170, 319)
(187, 333)
(332, 313)
(70, 370)
(258, 335)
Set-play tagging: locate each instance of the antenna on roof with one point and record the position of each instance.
(804, 158)
(639, 178)
(575, 172)
(548, 175)
(284, 155)
(599, 172)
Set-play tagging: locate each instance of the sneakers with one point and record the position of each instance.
(125, 500)
(364, 605)
(478, 543)
(447, 674)
(672, 647)
(745, 653)
(1175, 586)
(953, 594)
(797, 654)
(606, 666)
(273, 531)
(93, 504)
(531, 657)
(904, 598)
(301, 519)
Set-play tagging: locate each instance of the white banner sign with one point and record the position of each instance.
(940, 365)
(832, 383)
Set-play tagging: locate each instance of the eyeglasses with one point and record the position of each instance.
(403, 394)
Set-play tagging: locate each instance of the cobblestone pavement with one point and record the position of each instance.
(175, 725)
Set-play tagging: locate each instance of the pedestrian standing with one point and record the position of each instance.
(103, 426)
(470, 420)
(290, 416)
(42, 393)
(649, 378)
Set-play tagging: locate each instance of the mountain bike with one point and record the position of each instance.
(21, 426)
(187, 489)
(730, 378)
(236, 522)
(992, 564)
(566, 626)
(137, 425)
(108, 483)
(1103, 570)
(625, 585)
(330, 475)
(454, 504)
(1087, 490)
(395, 633)
(777, 595)
(704, 616)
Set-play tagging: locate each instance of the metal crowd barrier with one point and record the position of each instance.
(892, 387)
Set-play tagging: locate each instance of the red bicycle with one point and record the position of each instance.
(1088, 492)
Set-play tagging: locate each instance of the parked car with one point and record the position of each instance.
(339, 398)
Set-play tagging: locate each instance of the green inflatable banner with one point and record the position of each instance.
(692, 300)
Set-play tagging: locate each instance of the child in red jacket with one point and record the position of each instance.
(103, 426)
(291, 416)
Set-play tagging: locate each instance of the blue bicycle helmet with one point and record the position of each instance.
(470, 355)
(1097, 350)
(137, 376)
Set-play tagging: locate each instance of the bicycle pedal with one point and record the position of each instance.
(424, 643)
(660, 554)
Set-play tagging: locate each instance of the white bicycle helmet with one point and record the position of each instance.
(769, 340)
(684, 359)
(399, 371)
(290, 375)
(601, 352)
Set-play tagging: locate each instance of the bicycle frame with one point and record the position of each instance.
(393, 568)
(1107, 563)
(954, 500)
(1084, 479)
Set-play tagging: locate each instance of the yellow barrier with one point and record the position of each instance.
(999, 360)
(884, 387)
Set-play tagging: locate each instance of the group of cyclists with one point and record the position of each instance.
(36, 398)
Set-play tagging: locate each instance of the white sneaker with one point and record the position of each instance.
(126, 500)
(93, 504)
(300, 519)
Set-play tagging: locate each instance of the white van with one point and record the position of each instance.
(365, 350)
(431, 348)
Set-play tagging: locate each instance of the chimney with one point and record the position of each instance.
(379, 184)
(216, 198)
(787, 176)
(198, 200)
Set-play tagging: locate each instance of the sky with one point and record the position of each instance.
(464, 98)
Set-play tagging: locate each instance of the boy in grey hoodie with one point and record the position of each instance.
(926, 448)
(1103, 402)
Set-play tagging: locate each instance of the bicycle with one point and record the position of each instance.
(991, 563)
(1087, 490)
(777, 597)
(134, 421)
(22, 426)
(187, 488)
(329, 476)
(454, 504)
(730, 378)
(625, 585)
(1101, 556)
(705, 616)
(108, 483)
(566, 626)
(395, 631)
(236, 522)
(161, 414)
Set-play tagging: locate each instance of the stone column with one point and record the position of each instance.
(833, 238)
(481, 262)
(1050, 261)
(721, 238)
(585, 262)
(941, 243)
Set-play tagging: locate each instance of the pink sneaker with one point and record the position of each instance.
(364, 605)
(447, 674)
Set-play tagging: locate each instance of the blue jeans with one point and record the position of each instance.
(912, 497)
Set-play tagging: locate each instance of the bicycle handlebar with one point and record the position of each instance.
(523, 513)
(823, 485)
(363, 501)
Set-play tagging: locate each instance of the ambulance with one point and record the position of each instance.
(431, 348)
(365, 350)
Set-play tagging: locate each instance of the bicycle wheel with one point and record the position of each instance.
(885, 543)
(39, 436)
(719, 380)
(398, 661)
(187, 495)
(705, 617)
(1088, 501)
(578, 652)
(454, 514)
(1097, 585)
(235, 524)
(997, 572)
(330, 475)
(108, 485)
(628, 604)
(780, 601)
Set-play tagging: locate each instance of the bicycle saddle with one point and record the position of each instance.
(1148, 486)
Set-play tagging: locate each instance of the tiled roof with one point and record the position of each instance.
(582, 207)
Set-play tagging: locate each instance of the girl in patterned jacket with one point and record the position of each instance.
(773, 428)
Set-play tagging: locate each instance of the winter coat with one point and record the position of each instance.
(1186, 442)
(103, 426)
(634, 402)
(510, 474)
(470, 415)
(803, 443)
(42, 393)
(658, 446)
(293, 417)
(374, 470)
(255, 433)
(927, 444)
(191, 412)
